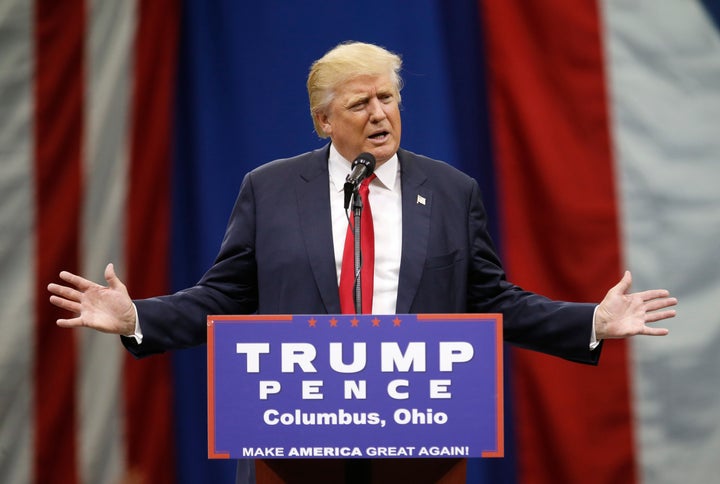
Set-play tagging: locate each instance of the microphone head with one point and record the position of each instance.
(362, 167)
(366, 159)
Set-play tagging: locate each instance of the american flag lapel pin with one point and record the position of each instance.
(421, 200)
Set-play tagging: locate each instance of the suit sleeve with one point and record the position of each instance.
(229, 287)
(530, 320)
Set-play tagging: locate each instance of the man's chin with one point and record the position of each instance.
(382, 153)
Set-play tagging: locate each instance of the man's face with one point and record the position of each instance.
(364, 116)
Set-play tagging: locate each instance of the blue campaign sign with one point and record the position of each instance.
(355, 386)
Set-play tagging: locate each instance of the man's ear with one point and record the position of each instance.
(323, 120)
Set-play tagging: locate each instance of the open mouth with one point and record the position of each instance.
(379, 135)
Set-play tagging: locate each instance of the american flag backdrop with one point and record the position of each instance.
(591, 126)
(86, 97)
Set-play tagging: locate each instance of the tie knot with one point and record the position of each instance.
(364, 184)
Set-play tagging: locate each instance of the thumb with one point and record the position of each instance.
(111, 278)
(624, 285)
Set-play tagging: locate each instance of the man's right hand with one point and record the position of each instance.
(108, 309)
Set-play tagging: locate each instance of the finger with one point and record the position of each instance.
(66, 304)
(651, 294)
(112, 279)
(80, 282)
(649, 331)
(110, 272)
(660, 315)
(64, 292)
(70, 323)
(662, 303)
(625, 283)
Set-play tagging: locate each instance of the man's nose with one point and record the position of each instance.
(375, 107)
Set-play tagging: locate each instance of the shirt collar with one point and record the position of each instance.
(339, 169)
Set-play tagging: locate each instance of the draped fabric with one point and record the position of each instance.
(126, 128)
(86, 90)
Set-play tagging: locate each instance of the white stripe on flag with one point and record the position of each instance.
(665, 90)
(16, 242)
(109, 41)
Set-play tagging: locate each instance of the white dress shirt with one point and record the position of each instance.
(386, 205)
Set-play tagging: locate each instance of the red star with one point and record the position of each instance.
(376, 322)
(354, 322)
(396, 321)
(312, 322)
(333, 323)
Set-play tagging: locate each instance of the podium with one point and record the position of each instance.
(355, 398)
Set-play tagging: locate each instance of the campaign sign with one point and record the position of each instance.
(355, 386)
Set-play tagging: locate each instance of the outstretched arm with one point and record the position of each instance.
(108, 309)
(622, 314)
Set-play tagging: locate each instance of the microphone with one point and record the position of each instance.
(362, 167)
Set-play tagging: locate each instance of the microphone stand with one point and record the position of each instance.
(357, 207)
(357, 471)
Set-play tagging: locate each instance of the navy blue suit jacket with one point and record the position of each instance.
(277, 257)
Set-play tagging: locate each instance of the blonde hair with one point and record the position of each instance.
(344, 62)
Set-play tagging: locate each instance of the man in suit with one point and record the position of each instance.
(283, 248)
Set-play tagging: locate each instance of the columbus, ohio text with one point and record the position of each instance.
(401, 416)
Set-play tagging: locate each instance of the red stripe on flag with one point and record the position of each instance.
(59, 87)
(556, 180)
(148, 391)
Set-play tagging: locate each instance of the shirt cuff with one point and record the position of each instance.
(593, 338)
(138, 331)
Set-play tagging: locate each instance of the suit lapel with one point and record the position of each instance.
(313, 199)
(416, 206)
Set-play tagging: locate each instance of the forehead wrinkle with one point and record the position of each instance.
(353, 98)
(352, 92)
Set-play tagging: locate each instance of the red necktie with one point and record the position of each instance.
(367, 267)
